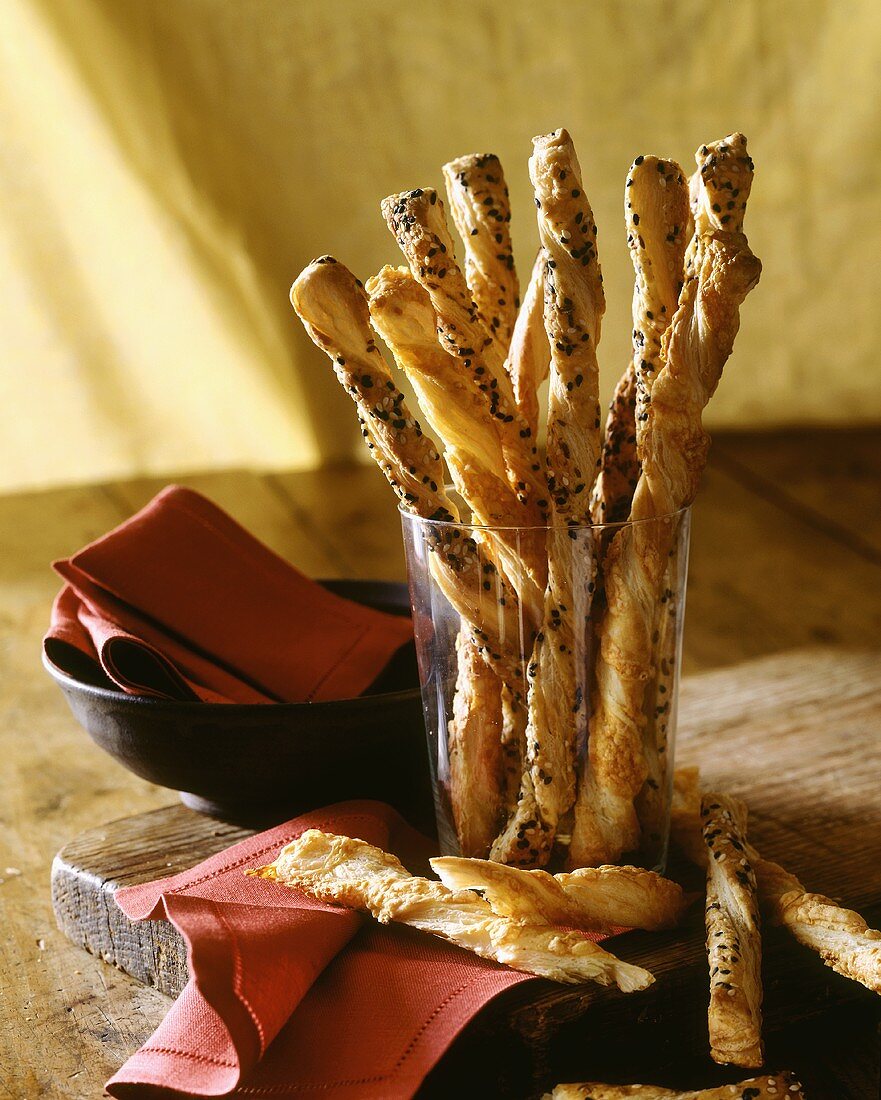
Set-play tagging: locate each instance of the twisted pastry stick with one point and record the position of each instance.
(345, 871)
(658, 222)
(574, 306)
(416, 218)
(529, 355)
(478, 198)
(619, 471)
(839, 936)
(458, 412)
(332, 305)
(651, 802)
(592, 897)
(674, 449)
(474, 744)
(656, 208)
(778, 1086)
(734, 943)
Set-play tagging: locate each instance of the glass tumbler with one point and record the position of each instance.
(549, 666)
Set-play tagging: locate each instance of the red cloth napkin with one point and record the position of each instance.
(289, 997)
(181, 602)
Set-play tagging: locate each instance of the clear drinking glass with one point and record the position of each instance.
(478, 705)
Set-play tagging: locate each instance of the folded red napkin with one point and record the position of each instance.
(291, 997)
(181, 602)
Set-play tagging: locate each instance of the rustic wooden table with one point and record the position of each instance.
(786, 552)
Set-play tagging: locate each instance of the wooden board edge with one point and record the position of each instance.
(152, 952)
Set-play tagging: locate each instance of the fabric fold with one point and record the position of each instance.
(180, 602)
(291, 997)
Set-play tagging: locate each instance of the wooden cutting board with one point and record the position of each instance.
(797, 735)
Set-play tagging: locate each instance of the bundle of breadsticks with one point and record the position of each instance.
(528, 920)
(567, 636)
(535, 922)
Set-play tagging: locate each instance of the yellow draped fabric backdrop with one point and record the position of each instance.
(168, 166)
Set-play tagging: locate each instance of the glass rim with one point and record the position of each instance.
(615, 526)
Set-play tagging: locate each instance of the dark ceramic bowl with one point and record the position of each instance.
(257, 764)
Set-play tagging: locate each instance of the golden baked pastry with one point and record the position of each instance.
(673, 454)
(476, 751)
(656, 208)
(458, 412)
(734, 942)
(478, 198)
(619, 469)
(776, 1086)
(332, 305)
(599, 898)
(573, 308)
(839, 936)
(529, 354)
(416, 218)
(345, 871)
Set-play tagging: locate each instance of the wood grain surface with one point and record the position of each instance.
(774, 567)
(797, 735)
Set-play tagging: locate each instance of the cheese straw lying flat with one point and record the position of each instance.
(345, 871)
(592, 897)
(779, 1086)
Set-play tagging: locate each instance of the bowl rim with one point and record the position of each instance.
(337, 585)
(110, 695)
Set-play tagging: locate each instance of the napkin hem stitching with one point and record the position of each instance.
(237, 982)
(254, 855)
(273, 1090)
(189, 1054)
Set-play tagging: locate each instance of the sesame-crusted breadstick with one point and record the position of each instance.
(656, 208)
(777, 1086)
(416, 218)
(839, 936)
(332, 305)
(574, 306)
(474, 744)
(345, 871)
(673, 453)
(734, 943)
(478, 198)
(458, 412)
(619, 471)
(529, 355)
(652, 800)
